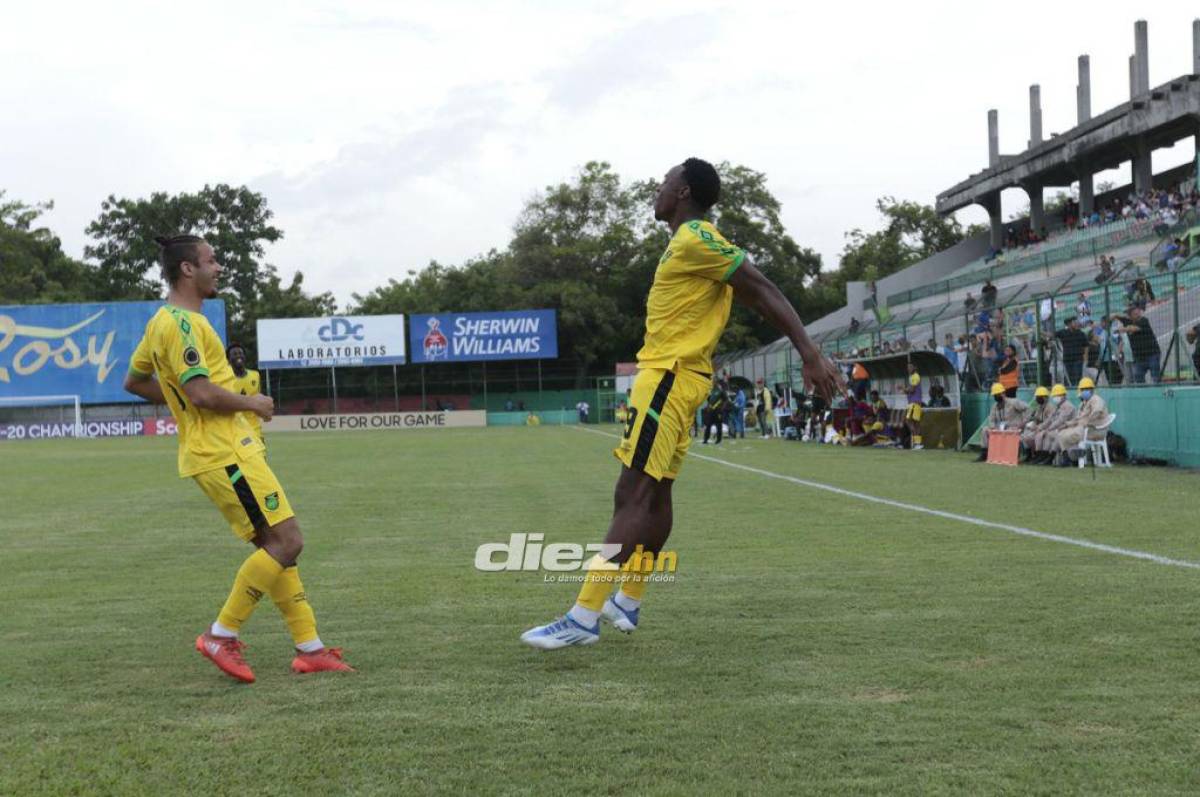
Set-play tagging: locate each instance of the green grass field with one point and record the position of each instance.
(812, 643)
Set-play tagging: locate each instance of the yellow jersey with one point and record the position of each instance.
(180, 345)
(249, 384)
(689, 302)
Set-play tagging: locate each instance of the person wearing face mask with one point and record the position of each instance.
(1008, 413)
(1036, 417)
(1092, 412)
(1060, 415)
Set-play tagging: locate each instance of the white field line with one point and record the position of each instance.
(1024, 532)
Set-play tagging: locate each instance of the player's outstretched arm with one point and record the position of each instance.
(214, 398)
(752, 289)
(146, 387)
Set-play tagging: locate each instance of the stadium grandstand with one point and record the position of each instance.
(1027, 282)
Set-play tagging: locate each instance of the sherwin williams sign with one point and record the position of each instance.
(471, 337)
(77, 349)
(332, 341)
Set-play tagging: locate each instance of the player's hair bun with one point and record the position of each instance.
(162, 240)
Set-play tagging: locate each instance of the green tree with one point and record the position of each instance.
(235, 220)
(33, 267)
(911, 233)
(589, 247)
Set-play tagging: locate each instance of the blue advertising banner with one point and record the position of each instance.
(77, 349)
(471, 337)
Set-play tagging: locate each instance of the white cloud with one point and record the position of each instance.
(386, 135)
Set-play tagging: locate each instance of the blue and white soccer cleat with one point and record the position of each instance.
(623, 620)
(561, 633)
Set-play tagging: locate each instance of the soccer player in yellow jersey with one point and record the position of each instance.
(246, 382)
(698, 277)
(180, 362)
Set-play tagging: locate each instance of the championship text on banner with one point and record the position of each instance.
(77, 349)
(333, 341)
(375, 421)
(470, 337)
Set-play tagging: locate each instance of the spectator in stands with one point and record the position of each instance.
(969, 302)
(1034, 420)
(949, 352)
(1007, 413)
(714, 414)
(988, 294)
(1008, 373)
(1140, 291)
(860, 380)
(1073, 342)
(1107, 271)
(1176, 254)
(1083, 310)
(988, 349)
(764, 406)
(932, 345)
(1045, 436)
(1193, 338)
(1144, 344)
(1093, 412)
(738, 409)
(853, 325)
(509, 406)
(583, 408)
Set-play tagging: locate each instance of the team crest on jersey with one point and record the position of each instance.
(435, 343)
(191, 356)
(272, 501)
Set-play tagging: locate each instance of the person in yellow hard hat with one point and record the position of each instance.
(1037, 416)
(1093, 412)
(1061, 414)
(1008, 413)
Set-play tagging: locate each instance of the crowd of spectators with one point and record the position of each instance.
(1162, 206)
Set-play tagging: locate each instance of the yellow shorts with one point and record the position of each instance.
(248, 495)
(662, 406)
(913, 413)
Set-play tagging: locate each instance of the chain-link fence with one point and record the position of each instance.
(1131, 326)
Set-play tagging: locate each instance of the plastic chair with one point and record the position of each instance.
(1097, 448)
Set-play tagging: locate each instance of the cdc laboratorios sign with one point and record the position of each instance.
(471, 337)
(376, 421)
(339, 340)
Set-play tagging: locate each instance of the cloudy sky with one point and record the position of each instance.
(387, 134)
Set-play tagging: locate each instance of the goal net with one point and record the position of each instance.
(24, 417)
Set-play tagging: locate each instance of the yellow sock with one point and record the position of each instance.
(916, 440)
(254, 579)
(636, 573)
(597, 584)
(288, 594)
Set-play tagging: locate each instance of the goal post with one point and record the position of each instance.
(69, 412)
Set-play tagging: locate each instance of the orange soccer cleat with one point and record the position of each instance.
(325, 659)
(226, 653)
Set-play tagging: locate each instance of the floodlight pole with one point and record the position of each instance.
(395, 387)
(333, 377)
(422, 387)
(485, 386)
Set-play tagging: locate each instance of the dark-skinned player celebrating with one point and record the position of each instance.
(698, 277)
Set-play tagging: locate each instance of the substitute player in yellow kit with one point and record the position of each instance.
(180, 362)
(245, 382)
(698, 277)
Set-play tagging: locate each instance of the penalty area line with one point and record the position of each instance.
(974, 521)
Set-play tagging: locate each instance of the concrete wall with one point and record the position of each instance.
(931, 269)
(1159, 421)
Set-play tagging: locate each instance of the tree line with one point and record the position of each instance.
(587, 247)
